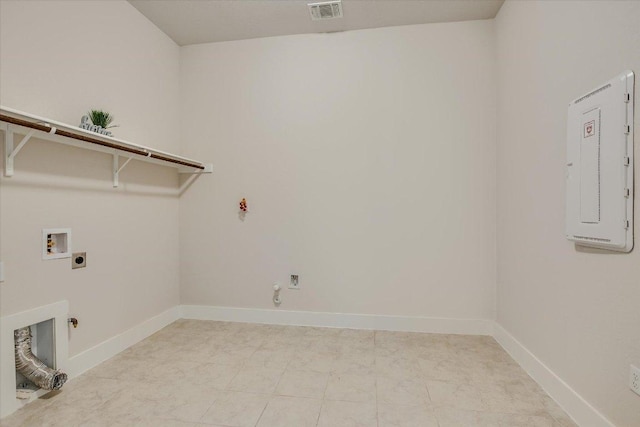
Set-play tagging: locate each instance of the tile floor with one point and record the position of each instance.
(202, 373)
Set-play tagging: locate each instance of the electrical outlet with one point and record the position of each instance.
(79, 260)
(295, 282)
(634, 380)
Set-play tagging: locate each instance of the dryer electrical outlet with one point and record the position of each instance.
(599, 210)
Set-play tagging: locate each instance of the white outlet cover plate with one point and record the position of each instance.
(74, 260)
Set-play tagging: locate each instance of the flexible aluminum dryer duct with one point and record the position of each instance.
(33, 368)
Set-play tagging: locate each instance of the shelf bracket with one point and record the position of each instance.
(117, 169)
(10, 151)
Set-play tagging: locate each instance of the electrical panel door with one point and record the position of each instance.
(599, 204)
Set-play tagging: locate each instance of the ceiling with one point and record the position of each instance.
(202, 21)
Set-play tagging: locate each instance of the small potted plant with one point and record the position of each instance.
(100, 122)
(102, 119)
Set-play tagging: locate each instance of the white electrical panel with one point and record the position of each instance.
(599, 211)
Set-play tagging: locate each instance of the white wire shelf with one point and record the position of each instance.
(29, 125)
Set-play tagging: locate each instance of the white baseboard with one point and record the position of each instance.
(341, 320)
(105, 350)
(573, 404)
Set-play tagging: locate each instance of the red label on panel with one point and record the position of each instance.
(589, 129)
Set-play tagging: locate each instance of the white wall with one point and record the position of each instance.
(368, 162)
(575, 309)
(58, 60)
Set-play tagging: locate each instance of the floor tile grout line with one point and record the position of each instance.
(244, 364)
(326, 386)
(210, 406)
(377, 403)
(320, 412)
(375, 376)
(281, 375)
(430, 405)
(262, 413)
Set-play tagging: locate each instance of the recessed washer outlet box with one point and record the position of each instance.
(325, 10)
(56, 243)
(295, 282)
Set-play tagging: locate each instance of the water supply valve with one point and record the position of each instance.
(276, 294)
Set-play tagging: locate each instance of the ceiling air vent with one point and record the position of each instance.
(325, 10)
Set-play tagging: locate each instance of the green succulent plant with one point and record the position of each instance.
(101, 118)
